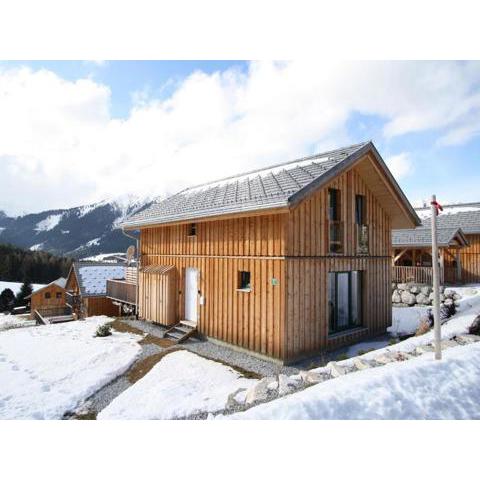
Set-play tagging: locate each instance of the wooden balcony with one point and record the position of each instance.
(122, 291)
(413, 274)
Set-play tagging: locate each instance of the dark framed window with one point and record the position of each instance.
(48, 295)
(345, 292)
(360, 210)
(244, 280)
(192, 229)
(335, 230)
(59, 295)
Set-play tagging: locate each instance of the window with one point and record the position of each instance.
(244, 281)
(59, 295)
(335, 231)
(344, 300)
(48, 295)
(192, 230)
(360, 210)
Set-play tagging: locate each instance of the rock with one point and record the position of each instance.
(467, 339)
(258, 392)
(335, 370)
(420, 350)
(402, 356)
(396, 298)
(457, 296)
(408, 298)
(273, 385)
(441, 288)
(426, 290)
(394, 286)
(236, 398)
(384, 358)
(414, 289)
(448, 344)
(422, 299)
(361, 364)
(311, 377)
(449, 293)
(449, 301)
(402, 286)
(286, 385)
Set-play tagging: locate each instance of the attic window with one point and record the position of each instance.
(192, 230)
(48, 295)
(244, 281)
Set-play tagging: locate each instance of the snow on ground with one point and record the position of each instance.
(366, 346)
(406, 320)
(15, 321)
(48, 370)
(15, 286)
(102, 257)
(36, 247)
(49, 223)
(180, 385)
(420, 388)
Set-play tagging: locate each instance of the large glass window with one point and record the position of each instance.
(344, 300)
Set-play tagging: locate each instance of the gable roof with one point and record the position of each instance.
(462, 215)
(422, 237)
(59, 282)
(92, 276)
(279, 186)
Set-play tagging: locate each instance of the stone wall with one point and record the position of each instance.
(414, 294)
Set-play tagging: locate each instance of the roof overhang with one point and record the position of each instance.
(456, 240)
(378, 178)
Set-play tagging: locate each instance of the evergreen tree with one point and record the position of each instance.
(25, 290)
(7, 300)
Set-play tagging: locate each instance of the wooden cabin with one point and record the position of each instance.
(87, 288)
(49, 299)
(285, 262)
(464, 216)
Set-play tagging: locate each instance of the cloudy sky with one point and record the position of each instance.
(78, 132)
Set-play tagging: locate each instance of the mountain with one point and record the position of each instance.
(76, 232)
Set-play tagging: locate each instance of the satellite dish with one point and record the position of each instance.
(130, 254)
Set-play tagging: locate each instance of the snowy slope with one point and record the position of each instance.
(78, 232)
(46, 371)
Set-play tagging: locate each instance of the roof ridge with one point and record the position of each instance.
(357, 146)
(449, 205)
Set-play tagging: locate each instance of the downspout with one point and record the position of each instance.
(138, 269)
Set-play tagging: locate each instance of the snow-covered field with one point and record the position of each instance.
(420, 388)
(46, 371)
(180, 385)
(14, 321)
(15, 286)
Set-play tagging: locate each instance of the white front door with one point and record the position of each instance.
(191, 294)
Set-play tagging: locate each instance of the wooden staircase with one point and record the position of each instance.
(182, 330)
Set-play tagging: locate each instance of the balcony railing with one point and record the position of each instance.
(362, 239)
(122, 291)
(72, 300)
(335, 236)
(413, 274)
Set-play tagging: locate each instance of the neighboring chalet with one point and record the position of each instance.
(49, 299)
(87, 288)
(460, 259)
(284, 261)
(412, 250)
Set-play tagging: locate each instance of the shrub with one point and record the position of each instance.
(446, 311)
(423, 328)
(474, 328)
(393, 341)
(103, 331)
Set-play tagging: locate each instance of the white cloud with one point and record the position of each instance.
(400, 165)
(61, 147)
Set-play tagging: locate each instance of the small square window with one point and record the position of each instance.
(192, 230)
(59, 295)
(244, 280)
(48, 295)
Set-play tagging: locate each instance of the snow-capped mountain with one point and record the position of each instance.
(78, 232)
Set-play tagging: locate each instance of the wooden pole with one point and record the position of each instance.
(436, 282)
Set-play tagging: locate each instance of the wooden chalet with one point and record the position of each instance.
(284, 261)
(87, 288)
(48, 300)
(464, 216)
(412, 255)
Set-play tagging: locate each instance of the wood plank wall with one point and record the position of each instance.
(309, 262)
(39, 301)
(100, 306)
(470, 258)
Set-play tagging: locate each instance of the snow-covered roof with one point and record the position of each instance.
(92, 277)
(458, 215)
(60, 282)
(281, 185)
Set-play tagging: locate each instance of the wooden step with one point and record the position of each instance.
(180, 331)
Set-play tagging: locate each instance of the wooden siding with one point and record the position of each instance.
(285, 315)
(38, 301)
(470, 258)
(158, 297)
(100, 306)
